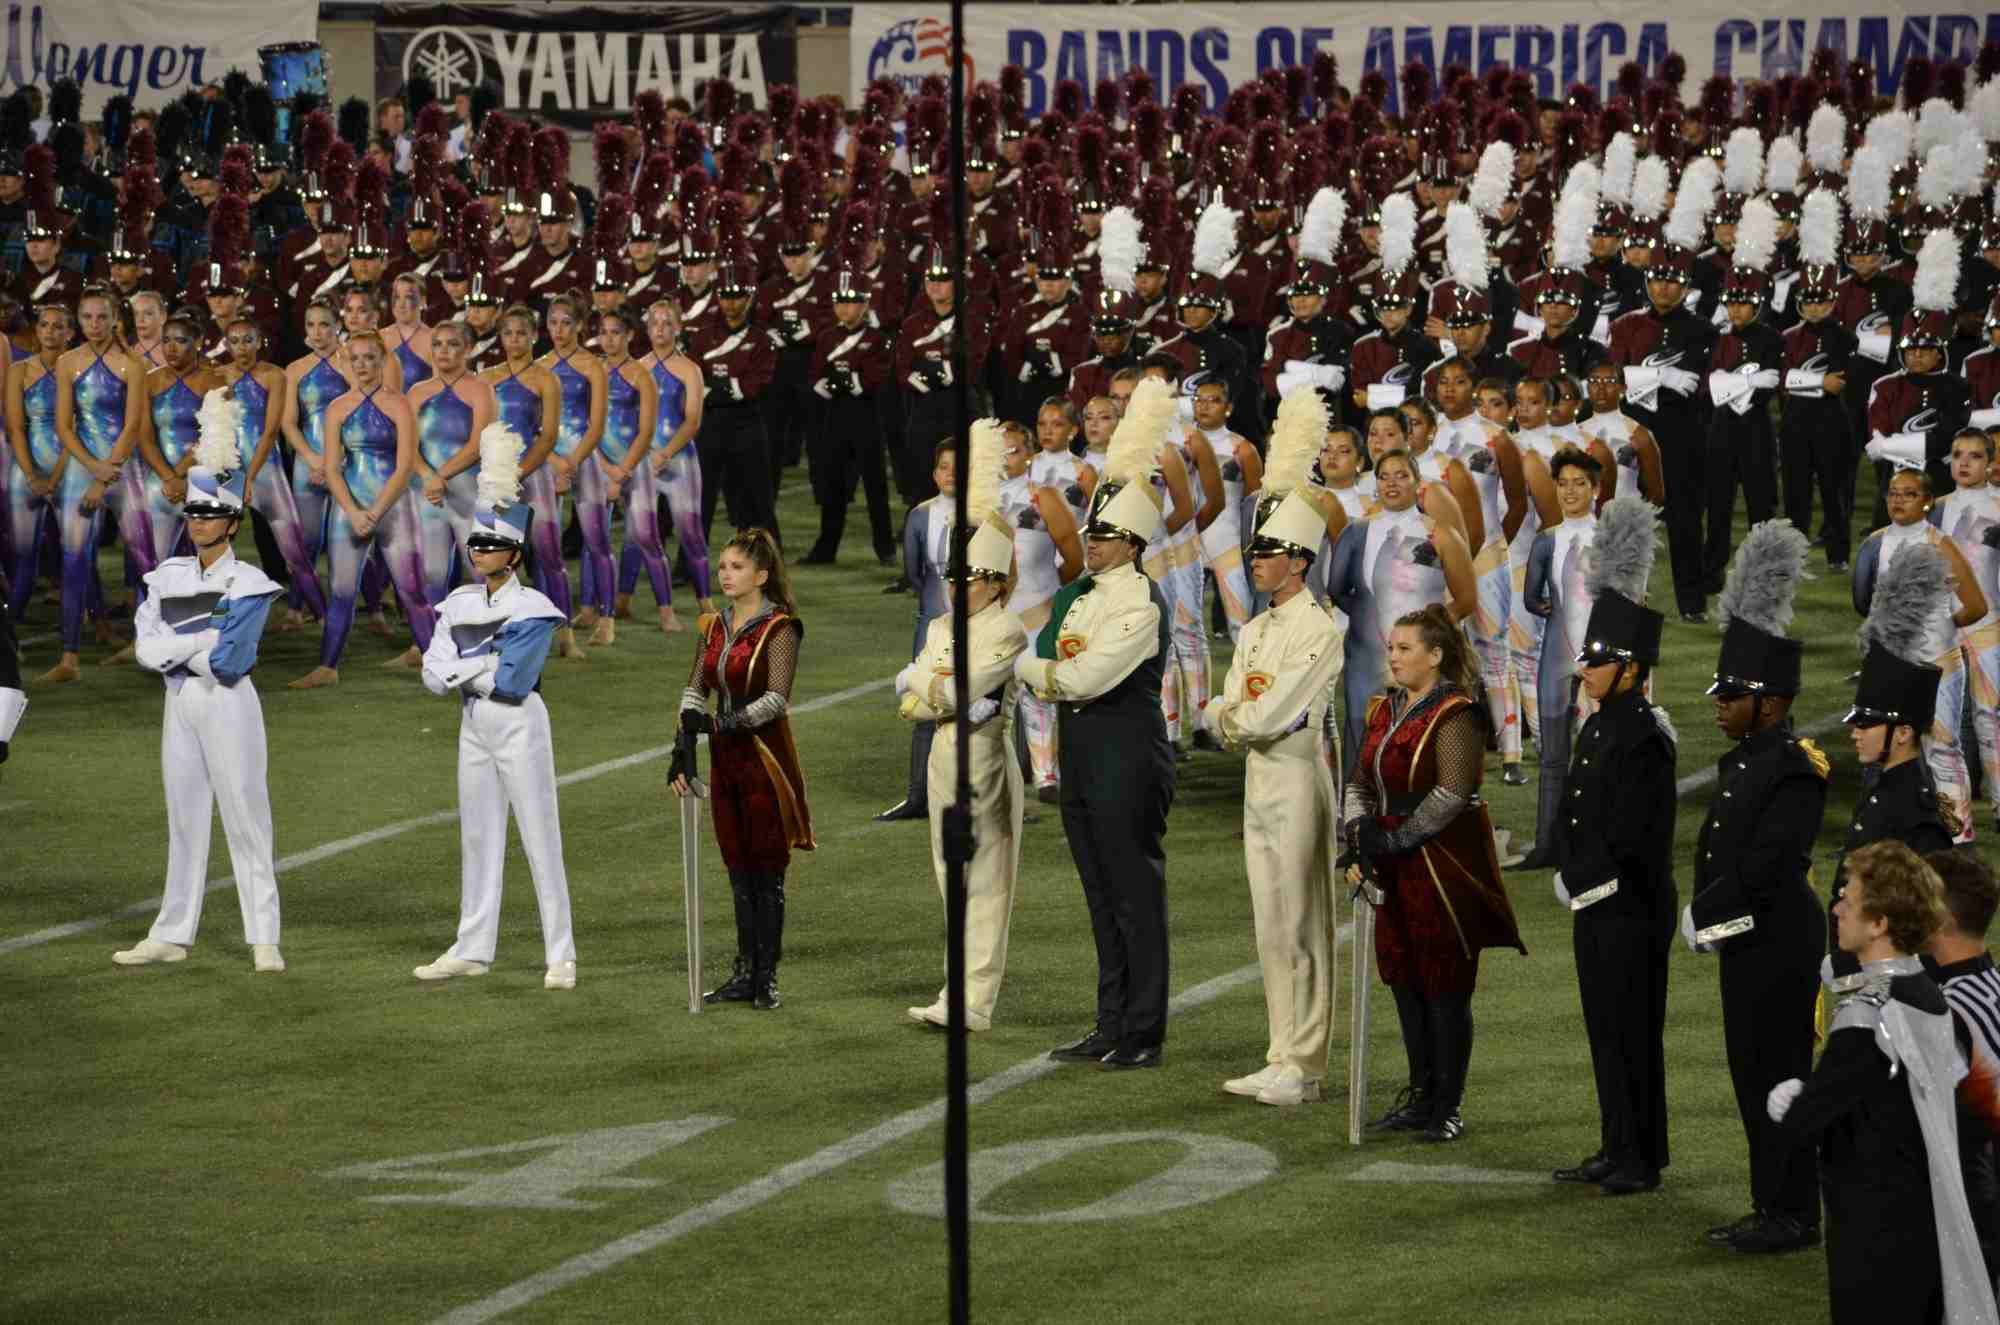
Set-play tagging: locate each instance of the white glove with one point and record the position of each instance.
(1288, 382)
(735, 388)
(981, 709)
(1691, 300)
(1562, 893)
(804, 331)
(822, 390)
(1679, 381)
(12, 705)
(1725, 387)
(1328, 375)
(480, 683)
(1447, 349)
(1903, 448)
(1210, 717)
(905, 679)
(1381, 395)
(1055, 364)
(1781, 290)
(1529, 323)
(1720, 317)
(918, 384)
(1687, 928)
(1027, 372)
(1984, 418)
(1804, 382)
(163, 653)
(1874, 344)
(1765, 379)
(944, 371)
(1600, 330)
(1298, 365)
(1642, 383)
(1779, 1102)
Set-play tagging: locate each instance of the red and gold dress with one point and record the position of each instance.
(1418, 777)
(756, 789)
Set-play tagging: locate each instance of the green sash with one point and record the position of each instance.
(1045, 643)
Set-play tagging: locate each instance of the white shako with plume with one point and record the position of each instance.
(215, 484)
(1320, 229)
(1621, 159)
(1650, 182)
(1125, 504)
(1492, 181)
(1783, 164)
(1463, 303)
(499, 517)
(1119, 249)
(1399, 235)
(990, 550)
(1826, 139)
(1289, 520)
(1748, 282)
(1575, 215)
(1743, 163)
(1687, 223)
(1928, 325)
(1213, 256)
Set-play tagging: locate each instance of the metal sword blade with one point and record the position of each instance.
(1357, 1019)
(691, 894)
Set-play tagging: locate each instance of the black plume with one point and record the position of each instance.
(170, 129)
(65, 101)
(260, 115)
(17, 122)
(117, 121)
(354, 123)
(419, 92)
(234, 84)
(218, 126)
(67, 140)
(484, 99)
(304, 104)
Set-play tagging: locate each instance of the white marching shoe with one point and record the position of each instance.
(265, 957)
(561, 975)
(1290, 1086)
(147, 951)
(938, 1015)
(1253, 1084)
(447, 966)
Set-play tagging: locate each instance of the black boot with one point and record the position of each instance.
(770, 914)
(738, 987)
(1450, 1021)
(1411, 1111)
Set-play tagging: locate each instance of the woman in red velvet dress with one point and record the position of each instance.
(1414, 821)
(745, 658)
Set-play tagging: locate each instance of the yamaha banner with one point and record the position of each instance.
(574, 64)
(1560, 42)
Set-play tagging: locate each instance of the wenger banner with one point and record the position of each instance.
(573, 64)
(150, 52)
(1217, 46)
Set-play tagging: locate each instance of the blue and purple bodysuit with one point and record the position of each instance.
(521, 410)
(444, 425)
(367, 464)
(680, 484)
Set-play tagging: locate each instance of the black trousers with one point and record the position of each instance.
(843, 448)
(1029, 395)
(1816, 452)
(789, 405)
(1117, 828)
(1860, 385)
(1768, 994)
(1677, 428)
(735, 461)
(929, 419)
(1621, 975)
(1739, 451)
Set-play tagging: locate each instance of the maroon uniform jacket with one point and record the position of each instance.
(923, 342)
(1391, 360)
(317, 279)
(1038, 330)
(1935, 405)
(1325, 339)
(991, 228)
(567, 272)
(1489, 362)
(736, 363)
(1092, 378)
(697, 310)
(1573, 354)
(793, 310)
(57, 285)
(849, 363)
(1982, 377)
(649, 287)
(515, 267)
(1251, 284)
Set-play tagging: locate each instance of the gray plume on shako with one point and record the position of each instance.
(1909, 596)
(1764, 578)
(1620, 556)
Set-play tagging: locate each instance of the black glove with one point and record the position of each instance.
(1480, 461)
(1073, 494)
(1628, 456)
(849, 381)
(696, 722)
(1990, 535)
(683, 764)
(3, 752)
(1424, 554)
(1372, 840)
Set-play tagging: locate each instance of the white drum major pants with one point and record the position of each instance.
(212, 756)
(506, 760)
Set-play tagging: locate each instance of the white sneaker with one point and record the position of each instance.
(1253, 1084)
(934, 1015)
(562, 975)
(147, 951)
(265, 957)
(938, 1015)
(444, 968)
(1289, 1087)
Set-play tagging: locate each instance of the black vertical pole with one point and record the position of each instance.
(958, 837)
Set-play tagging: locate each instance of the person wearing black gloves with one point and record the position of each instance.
(746, 656)
(1664, 351)
(1877, 1113)
(1618, 884)
(1752, 899)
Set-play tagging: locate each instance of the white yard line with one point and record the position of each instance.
(342, 846)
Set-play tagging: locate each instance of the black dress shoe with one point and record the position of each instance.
(819, 556)
(1410, 1113)
(1774, 1235)
(1595, 1169)
(1124, 1060)
(1206, 741)
(1534, 860)
(736, 989)
(1694, 618)
(1446, 1129)
(1512, 776)
(1630, 1182)
(1724, 1234)
(900, 584)
(902, 810)
(1090, 1049)
(767, 999)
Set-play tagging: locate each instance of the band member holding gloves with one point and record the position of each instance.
(1273, 704)
(492, 641)
(198, 626)
(746, 656)
(994, 639)
(1616, 876)
(1752, 901)
(1100, 659)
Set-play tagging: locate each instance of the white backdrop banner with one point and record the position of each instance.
(1217, 46)
(151, 50)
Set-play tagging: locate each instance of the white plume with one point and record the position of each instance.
(1934, 178)
(1819, 228)
(1868, 183)
(1743, 161)
(1935, 288)
(1465, 247)
(1937, 124)
(1982, 110)
(1493, 181)
(1756, 235)
(1620, 157)
(1119, 249)
(1399, 233)
(500, 449)
(1297, 435)
(1215, 238)
(1783, 165)
(1133, 454)
(1893, 131)
(1319, 231)
(1649, 189)
(1968, 169)
(1576, 214)
(1687, 225)
(986, 463)
(220, 421)
(1586, 178)
(1826, 138)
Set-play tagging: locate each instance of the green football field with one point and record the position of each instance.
(341, 1142)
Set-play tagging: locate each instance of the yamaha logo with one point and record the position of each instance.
(448, 58)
